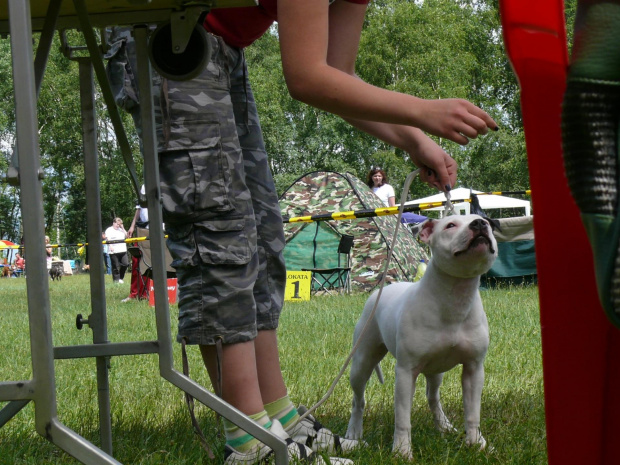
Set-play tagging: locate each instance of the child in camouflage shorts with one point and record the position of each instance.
(226, 238)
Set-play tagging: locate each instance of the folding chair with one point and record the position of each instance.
(338, 278)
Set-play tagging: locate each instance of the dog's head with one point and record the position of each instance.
(461, 246)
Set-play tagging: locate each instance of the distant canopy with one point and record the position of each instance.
(460, 199)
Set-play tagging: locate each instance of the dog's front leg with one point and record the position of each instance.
(404, 390)
(433, 383)
(472, 381)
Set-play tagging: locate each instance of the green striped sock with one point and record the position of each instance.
(284, 411)
(239, 439)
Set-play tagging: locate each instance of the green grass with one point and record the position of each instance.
(150, 420)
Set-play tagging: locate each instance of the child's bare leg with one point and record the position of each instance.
(240, 387)
(270, 379)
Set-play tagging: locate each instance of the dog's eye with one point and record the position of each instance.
(450, 225)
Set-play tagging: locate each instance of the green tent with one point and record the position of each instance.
(314, 245)
(516, 258)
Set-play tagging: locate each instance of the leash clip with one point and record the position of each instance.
(449, 208)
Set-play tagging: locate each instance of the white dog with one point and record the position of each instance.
(430, 327)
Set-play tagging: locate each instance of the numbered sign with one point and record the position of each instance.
(298, 285)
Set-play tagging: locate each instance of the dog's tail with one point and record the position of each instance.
(379, 372)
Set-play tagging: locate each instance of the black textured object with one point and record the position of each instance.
(590, 118)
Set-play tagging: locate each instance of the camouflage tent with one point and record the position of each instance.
(312, 245)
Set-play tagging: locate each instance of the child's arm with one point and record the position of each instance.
(319, 45)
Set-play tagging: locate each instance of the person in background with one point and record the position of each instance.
(106, 256)
(20, 263)
(18, 266)
(48, 253)
(138, 289)
(377, 181)
(117, 250)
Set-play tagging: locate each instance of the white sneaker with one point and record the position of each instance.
(314, 435)
(127, 299)
(120, 281)
(296, 452)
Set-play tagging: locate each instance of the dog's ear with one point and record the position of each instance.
(495, 224)
(415, 229)
(475, 208)
(425, 230)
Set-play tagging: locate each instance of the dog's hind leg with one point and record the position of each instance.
(433, 383)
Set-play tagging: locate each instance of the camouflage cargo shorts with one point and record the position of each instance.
(219, 202)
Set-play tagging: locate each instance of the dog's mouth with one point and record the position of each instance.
(475, 242)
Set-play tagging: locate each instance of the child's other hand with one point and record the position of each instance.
(437, 168)
(455, 119)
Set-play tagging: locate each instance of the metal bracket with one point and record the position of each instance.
(182, 25)
(80, 321)
(12, 174)
(72, 52)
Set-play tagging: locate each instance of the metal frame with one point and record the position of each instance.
(28, 73)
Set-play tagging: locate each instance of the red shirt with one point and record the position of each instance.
(241, 26)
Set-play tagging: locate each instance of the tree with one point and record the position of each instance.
(432, 49)
(429, 48)
(9, 200)
(61, 149)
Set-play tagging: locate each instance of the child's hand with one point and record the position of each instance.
(437, 168)
(455, 119)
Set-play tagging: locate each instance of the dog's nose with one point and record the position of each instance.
(477, 225)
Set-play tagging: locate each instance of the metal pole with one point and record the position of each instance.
(99, 67)
(11, 409)
(98, 318)
(31, 198)
(151, 175)
(43, 385)
(45, 42)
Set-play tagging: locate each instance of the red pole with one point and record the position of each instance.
(581, 348)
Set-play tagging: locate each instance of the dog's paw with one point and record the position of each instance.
(353, 433)
(405, 454)
(402, 448)
(355, 429)
(476, 439)
(445, 427)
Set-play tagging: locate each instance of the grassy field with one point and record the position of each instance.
(150, 421)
